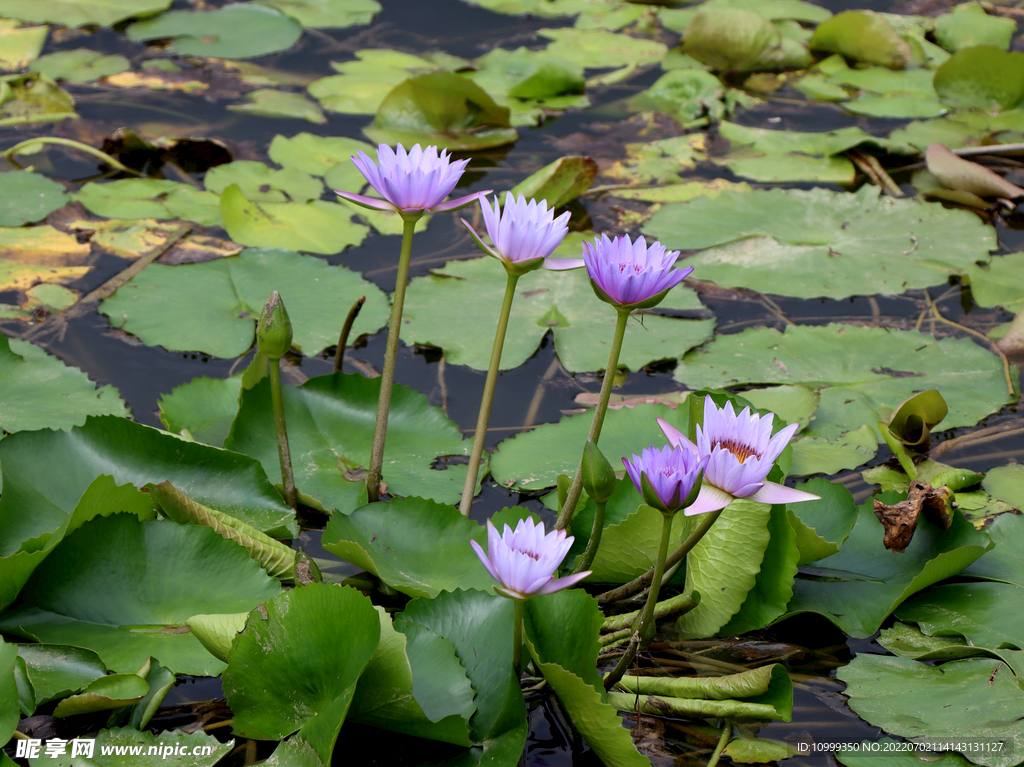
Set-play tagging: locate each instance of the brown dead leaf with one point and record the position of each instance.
(900, 519)
(199, 248)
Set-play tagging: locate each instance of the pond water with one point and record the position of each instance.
(539, 391)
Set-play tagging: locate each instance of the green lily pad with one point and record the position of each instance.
(32, 98)
(234, 31)
(139, 455)
(961, 700)
(228, 293)
(27, 197)
(150, 198)
(561, 301)
(864, 36)
(814, 455)
(330, 431)
(775, 155)
(195, 749)
(273, 103)
(103, 694)
(443, 109)
(203, 406)
(1004, 562)
(691, 96)
(530, 82)
(982, 77)
(404, 543)
(860, 586)
(560, 182)
(981, 612)
(318, 14)
(363, 83)
(326, 156)
(105, 588)
(20, 45)
(79, 13)
(739, 40)
(532, 461)
(57, 670)
(866, 389)
(217, 632)
(906, 641)
(600, 49)
(79, 66)
(41, 392)
(968, 25)
(1000, 282)
(815, 243)
(260, 183)
(300, 637)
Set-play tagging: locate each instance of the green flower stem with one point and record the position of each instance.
(595, 540)
(643, 629)
(681, 603)
(565, 515)
(387, 376)
(723, 741)
(517, 637)
(638, 584)
(488, 397)
(287, 477)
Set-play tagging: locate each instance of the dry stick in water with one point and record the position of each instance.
(339, 354)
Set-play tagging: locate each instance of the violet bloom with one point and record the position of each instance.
(740, 451)
(631, 274)
(524, 234)
(666, 477)
(417, 180)
(524, 562)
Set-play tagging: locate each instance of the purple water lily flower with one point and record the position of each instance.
(741, 451)
(632, 274)
(417, 180)
(666, 477)
(524, 234)
(524, 562)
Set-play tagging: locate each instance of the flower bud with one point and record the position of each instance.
(598, 475)
(274, 330)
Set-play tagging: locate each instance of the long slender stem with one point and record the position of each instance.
(517, 637)
(287, 477)
(637, 584)
(565, 515)
(643, 629)
(723, 741)
(488, 397)
(339, 353)
(595, 540)
(387, 376)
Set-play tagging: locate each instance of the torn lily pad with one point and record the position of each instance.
(821, 243)
(659, 162)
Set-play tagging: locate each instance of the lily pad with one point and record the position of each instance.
(103, 694)
(982, 77)
(600, 49)
(150, 198)
(330, 431)
(316, 227)
(739, 40)
(860, 586)
(138, 455)
(326, 156)
(364, 82)
(560, 301)
(57, 670)
(79, 13)
(228, 294)
(205, 407)
(1007, 484)
(1000, 282)
(234, 31)
(41, 392)
(105, 588)
(816, 243)
(814, 455)
(962, 700)
(300, 634)
(864, 36)
(32, 98)
(981, 612)
(327, 13)
(443, 109)
(530, 82)
(260, 183)
(195, 749)
(79, 66)
(968, 25)
(659, 162)
(20, 45)
(268, 102)
(560, 182)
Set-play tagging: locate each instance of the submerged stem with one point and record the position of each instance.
(565, 515)
(287, 477)
(488, 396)
(387, 376)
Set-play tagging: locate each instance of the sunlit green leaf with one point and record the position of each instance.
(364, 82)
(982, 77)
(1000, 282)
(327, 156)
(260, 183)
(327, 13)
(863, 36)
(20, 45)
(150, 198)
(273, 103)
(79, 66)
(79, 13)
(103, 694)
(968, 25)
(735, 39)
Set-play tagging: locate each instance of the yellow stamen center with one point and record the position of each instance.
(738, 449)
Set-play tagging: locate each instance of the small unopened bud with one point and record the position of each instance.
(274, 330)
(598, 475)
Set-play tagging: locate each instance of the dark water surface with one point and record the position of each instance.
(537, 392)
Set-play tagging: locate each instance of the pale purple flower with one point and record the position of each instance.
(524, 234)
(625, 273)
(671, 473)
(740, 450)
(419, 179)
(524, 562)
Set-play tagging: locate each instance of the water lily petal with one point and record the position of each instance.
(709, 499)
(773, 492)
(561, 264)
(367, 202)
(562, 583)
(460, 202)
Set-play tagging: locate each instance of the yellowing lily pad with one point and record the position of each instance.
(19, 45)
